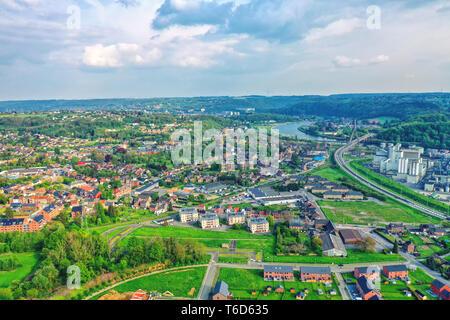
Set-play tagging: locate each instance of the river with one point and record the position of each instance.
(291, 129)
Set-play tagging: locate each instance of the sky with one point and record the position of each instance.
(80, 49)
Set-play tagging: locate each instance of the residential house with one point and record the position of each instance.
(395, 272)
(188, 215)
(258, 225)
(209, 221)
(367, 289)
(372, 272)
(440, 289)
(315, 274)
(221, 291)
(278, 273)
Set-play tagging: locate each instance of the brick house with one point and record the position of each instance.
(408, 247)
(278, 273)
(221, 292)
(315, 274)
(372, 273)
(399, 271)
(441, 289)
(367, 289)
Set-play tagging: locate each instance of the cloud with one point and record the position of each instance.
(336, 28)
(119, 55)
(346, 62)
(379, 59)
(189, 13)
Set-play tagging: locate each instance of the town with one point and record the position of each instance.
(239, 231)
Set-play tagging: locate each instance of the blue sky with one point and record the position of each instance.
(52, 49)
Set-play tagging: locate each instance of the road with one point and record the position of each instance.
(338, 155)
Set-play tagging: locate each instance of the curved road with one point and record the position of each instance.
(338, 156)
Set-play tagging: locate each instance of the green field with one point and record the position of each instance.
(354, 256)
(241, 282)
(395, 291)
(238, 259)
(330, 173)
(364, 212)
(192, 233)
(28, 262)
(178, 282)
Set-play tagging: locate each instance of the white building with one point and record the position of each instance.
(403, 164)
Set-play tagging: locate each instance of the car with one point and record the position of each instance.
(340, 265)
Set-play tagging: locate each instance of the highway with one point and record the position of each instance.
(338, 156)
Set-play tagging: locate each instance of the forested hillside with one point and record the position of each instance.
(431, 131)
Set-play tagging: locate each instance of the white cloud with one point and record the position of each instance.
(379, 59)
(336, 28)
(119, 55)
(346, 62)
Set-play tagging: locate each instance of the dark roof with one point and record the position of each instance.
(367, 270)
(39, 218)
(271, 268)
(77, 209)
(316, 270)
(366, 285)
(257, 193)
(11, 222)
(438, 284)
(350, 234)
(396, 268)
(222, 288)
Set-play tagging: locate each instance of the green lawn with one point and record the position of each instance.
(241, 282)
(364, 212)
(238, 259)
(395, 291)
(354, 256)
(178, 282)
(329, 173)
(28, 261)
(193, 233)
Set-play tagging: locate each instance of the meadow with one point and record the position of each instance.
(28, 262)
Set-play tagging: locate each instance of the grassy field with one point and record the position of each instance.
(182, 232)
(364, 212)
(238, 259)
(354, 256)
(241, 282)
(331, 174)
(178, 282)
(395, 291)
(28, 262)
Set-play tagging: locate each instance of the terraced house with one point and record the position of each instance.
(278, 273)
(315, 274)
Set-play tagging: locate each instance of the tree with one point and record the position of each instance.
(395, 248)
(9, 213)
(271, 221)
(155, 196)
